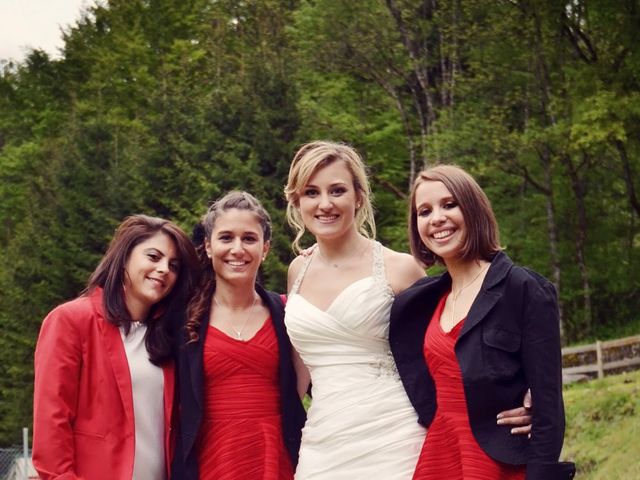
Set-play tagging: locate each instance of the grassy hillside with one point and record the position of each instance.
(603, 427)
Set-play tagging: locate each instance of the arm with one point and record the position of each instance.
(58, 362)
(542, 361)
(302, 372)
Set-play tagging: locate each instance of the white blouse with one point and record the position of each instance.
(147, 382)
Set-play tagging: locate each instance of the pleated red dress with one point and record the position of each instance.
(241, 434)
(450, 450)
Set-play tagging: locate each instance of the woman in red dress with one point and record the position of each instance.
(470, 342)
(241, 415)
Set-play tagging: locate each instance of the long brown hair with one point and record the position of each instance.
(200, 303)
(109, 275)
(482, 239)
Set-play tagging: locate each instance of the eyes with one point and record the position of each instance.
(335, 191)
(246, 238)
(425, 211)
(155, 257)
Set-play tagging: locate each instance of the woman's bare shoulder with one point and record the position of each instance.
(402, 270)
(294, 270)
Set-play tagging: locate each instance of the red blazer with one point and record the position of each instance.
(83, 426)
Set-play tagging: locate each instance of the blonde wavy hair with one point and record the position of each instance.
(314, 156)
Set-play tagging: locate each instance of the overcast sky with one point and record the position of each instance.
(36, 24)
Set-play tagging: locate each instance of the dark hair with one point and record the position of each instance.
(200, 303)
(482, 239)
(314, 156)
(109, 275)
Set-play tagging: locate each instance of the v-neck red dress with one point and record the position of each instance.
(450, 450)
(241, 434)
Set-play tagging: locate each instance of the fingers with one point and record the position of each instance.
(522, 431)
(519, 417)
(520, 421)
(515, 412)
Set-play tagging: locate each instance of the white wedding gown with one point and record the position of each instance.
(361, 424)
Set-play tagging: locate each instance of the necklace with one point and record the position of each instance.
(244, 324)
(454, 296)
(355, 252)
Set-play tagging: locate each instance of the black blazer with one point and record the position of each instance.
(510, 341)
(190, 378)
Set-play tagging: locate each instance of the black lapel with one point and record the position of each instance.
(490, 292)
(276, 309)
(196, 363)
(412, 310)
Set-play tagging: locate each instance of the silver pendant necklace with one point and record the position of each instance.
(246, 320)
(455, 296)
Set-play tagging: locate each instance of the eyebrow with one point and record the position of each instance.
(160, 252)
(332, 184)
(231, 232)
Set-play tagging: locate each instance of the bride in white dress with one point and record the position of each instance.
(361, 424)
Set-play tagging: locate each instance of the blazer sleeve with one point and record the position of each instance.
(542, 361)
(58, 362)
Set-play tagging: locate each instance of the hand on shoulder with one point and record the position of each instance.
(402, 270)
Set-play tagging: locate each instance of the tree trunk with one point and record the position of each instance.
(552, 230)
(628, 177)
(544, 84)
(577, 185)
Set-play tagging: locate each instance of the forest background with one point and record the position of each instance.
(158, 107)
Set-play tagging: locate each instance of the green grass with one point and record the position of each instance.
(603, 427)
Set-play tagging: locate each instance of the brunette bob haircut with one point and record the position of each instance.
(482, 240)
(110, 272)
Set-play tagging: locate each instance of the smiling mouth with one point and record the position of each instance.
(326, 218)
(160, 283)
(443, 234)
(236, 263)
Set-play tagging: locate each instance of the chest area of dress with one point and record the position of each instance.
(363, 307)
(228, 359)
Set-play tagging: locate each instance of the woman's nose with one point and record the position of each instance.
(438, 217)
(325, 201)
(236, 246)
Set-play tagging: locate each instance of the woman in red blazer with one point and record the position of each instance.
(468, 343)
(104, 375)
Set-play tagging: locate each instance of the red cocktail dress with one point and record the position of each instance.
(241, 433)
(450, 450)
